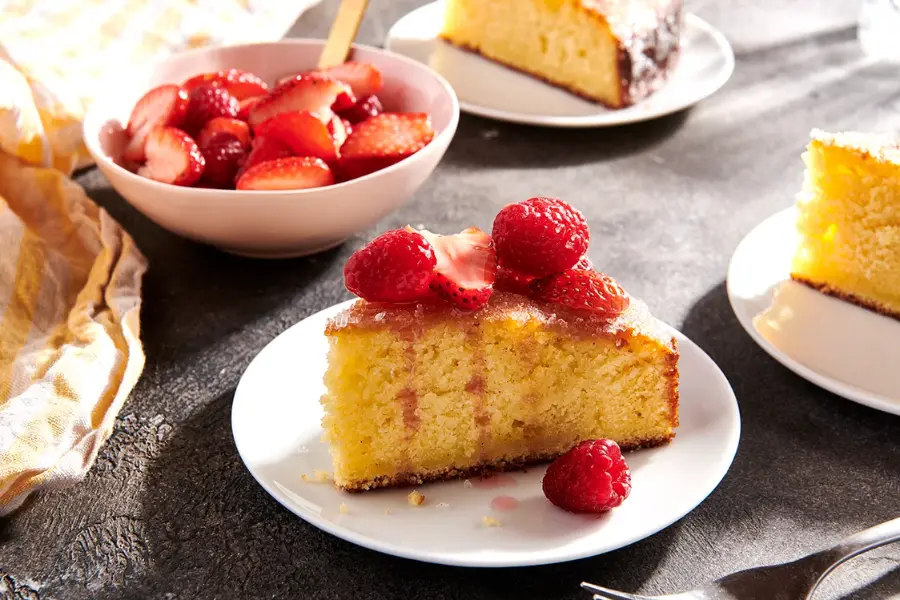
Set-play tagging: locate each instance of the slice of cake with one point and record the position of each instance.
(849, 220)
(435, 375)
(615, 52)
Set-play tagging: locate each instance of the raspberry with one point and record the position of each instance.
(592, 477)
(207, 102)
(583, 290)
(540, 236)
(223, 154)
(397, 266)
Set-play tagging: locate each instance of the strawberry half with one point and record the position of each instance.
(207, 102)
(339, 129)
(305, 134)
(172, 157)
(239, 84)
(363, 78)
(583, 290)
(383, 140)
(223, 154)
(246, 105)
(308, 92)
(165, 106)
(466, 267)
(233, 127)
(295, 173)
(263, 149)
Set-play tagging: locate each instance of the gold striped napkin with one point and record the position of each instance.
(70, 276)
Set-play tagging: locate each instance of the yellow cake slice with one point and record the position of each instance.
(425, 392)
(615, 52)
(849, 220)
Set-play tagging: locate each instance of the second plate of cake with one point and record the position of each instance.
(500, 521)
(568, 64)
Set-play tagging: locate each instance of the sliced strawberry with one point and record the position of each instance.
(384, 140)
(207, 102)
(365, 108)
(223, 154)
(339, 130)
(172, 157)
(165, 106)
(345, 100)
(239, 84)
(305, 134)
(234, 127)
(247, 105)
(583, 290)
(466, 267)
(309, 92)
(363, 78)
(295, 173)
(397, 266)
(264, 149)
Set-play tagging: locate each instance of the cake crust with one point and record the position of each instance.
(483, 469)
(834, 292)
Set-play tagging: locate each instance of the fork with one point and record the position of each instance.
(795, 580)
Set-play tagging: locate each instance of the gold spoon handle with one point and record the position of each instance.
(343, 32)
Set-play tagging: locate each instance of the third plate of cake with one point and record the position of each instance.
(489, 399)
(568, 63)
(818, 285)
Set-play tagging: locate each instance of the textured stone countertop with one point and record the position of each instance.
(168, 511)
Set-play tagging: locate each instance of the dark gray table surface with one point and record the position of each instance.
(168, 510)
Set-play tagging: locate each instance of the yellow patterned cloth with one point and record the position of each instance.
(70, 276)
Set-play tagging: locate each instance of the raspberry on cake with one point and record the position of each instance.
(433, 388)
(849, 220)
(615, 52)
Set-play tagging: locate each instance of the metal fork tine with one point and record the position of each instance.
(606, 594)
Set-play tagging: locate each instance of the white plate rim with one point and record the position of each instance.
(730, 446)
(843, 389)
(608, 117)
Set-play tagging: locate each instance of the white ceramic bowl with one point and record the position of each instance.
(272, 224)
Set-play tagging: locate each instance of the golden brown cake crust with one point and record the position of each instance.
(830, 290)
(480, 470)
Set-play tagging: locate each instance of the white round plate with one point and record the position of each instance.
(276, 424)
(839, 346)
(491, 90)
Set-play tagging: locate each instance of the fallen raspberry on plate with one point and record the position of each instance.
(583, 290)
(397, 266)
(540, 236)
(592, 477)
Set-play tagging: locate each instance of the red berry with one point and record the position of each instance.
(592, 477)
(466, 267)
(584, 264)
(396, 266)
(365, 108)
(583, 290)
(223, 154)
(540, 236)
(208, 101)
(513, 281)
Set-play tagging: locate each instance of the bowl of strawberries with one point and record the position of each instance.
(256, 151)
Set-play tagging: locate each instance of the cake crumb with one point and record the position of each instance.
(415, 498)
(490, 522)
(343, 509)
(467, 484)
(442, 505)
(322, 476)
(305, 477)
(387, 512)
